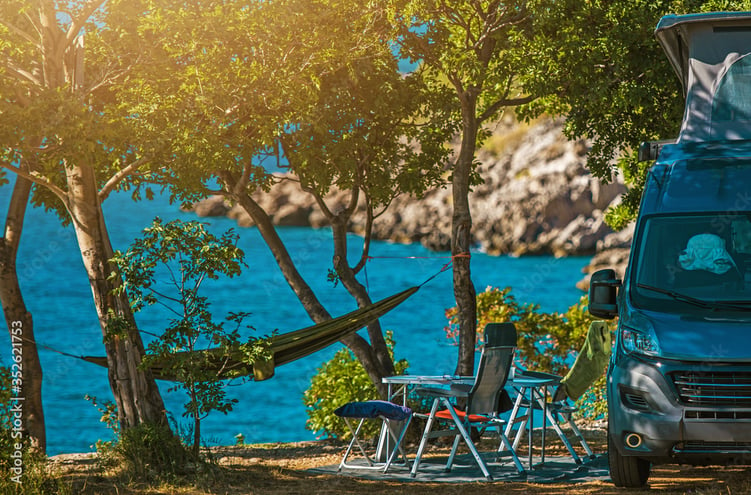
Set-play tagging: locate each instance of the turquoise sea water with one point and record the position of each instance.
(57, 293)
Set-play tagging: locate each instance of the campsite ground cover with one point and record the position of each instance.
(283, 469)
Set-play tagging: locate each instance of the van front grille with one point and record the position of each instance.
(717, 415)
(714, 388)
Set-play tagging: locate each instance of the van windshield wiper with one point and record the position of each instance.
(693, 300)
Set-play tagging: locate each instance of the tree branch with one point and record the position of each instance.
(14, 220)
(366, 237)
(39, 181)
(118, 177)
(107, 78)
(319, 201)
(77, 23)
(36, 26)
(504, 102)
(455, 81)
(355, 196)
(20, 32)
(23, 74)
(242, 184)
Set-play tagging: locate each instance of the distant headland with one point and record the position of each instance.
(538, 198)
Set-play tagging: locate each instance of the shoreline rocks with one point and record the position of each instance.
(537, 198)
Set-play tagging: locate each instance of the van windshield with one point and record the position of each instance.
(694, 263)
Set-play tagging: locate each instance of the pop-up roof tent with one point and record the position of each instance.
(711, 55)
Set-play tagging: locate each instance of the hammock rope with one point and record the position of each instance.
(286, 347)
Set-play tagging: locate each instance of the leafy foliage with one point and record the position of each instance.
(599, 64)
(108, 409)
(6, 419)
(168, 265)
(594, 403)
(337, 382)
(151, 451)
(546, 341)
(34, 478)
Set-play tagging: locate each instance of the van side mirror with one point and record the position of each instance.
(603, 287)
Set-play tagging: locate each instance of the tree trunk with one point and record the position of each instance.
(461, 241)
(136, 394)
(19, 320)
(358, 345)
(196, 450)
(359, 292)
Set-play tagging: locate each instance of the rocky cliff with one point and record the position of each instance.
(537, 198)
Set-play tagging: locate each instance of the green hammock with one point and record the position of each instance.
(288, 347)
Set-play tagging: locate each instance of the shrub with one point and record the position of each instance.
(338, 381)
(149, 451)
(34, 477)
(546, 341)
(168, 265)
(6, 418)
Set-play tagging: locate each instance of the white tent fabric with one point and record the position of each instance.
(709, 52)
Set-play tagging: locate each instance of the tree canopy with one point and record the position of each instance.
(230, 83)
(599, 65)
(130, 94)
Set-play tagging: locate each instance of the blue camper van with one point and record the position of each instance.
(679, 380)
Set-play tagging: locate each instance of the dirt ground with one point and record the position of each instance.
(282, 469)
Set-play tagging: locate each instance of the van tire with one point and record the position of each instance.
(626, 471)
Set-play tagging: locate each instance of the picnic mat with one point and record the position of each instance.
(556, 469)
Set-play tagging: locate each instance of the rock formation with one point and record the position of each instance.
(537, 198)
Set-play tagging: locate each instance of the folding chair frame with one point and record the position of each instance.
(566, 412)
(460, 431)
(482, 400)
(389, 426)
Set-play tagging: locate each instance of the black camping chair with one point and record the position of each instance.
(482, 401)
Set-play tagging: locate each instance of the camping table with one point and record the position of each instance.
(532, 386)
(402, 384)
(529, 385)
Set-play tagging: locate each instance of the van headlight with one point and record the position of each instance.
(639, 341)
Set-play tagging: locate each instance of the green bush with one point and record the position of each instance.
(546, 341)
(191, 255)
(145, 452)
(338, 381)
(150, 451)
(6, 419)
(34, 477)
(593, 404)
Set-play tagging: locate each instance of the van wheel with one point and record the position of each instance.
(626, 471)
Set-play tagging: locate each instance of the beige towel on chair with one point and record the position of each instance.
(591, 361)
